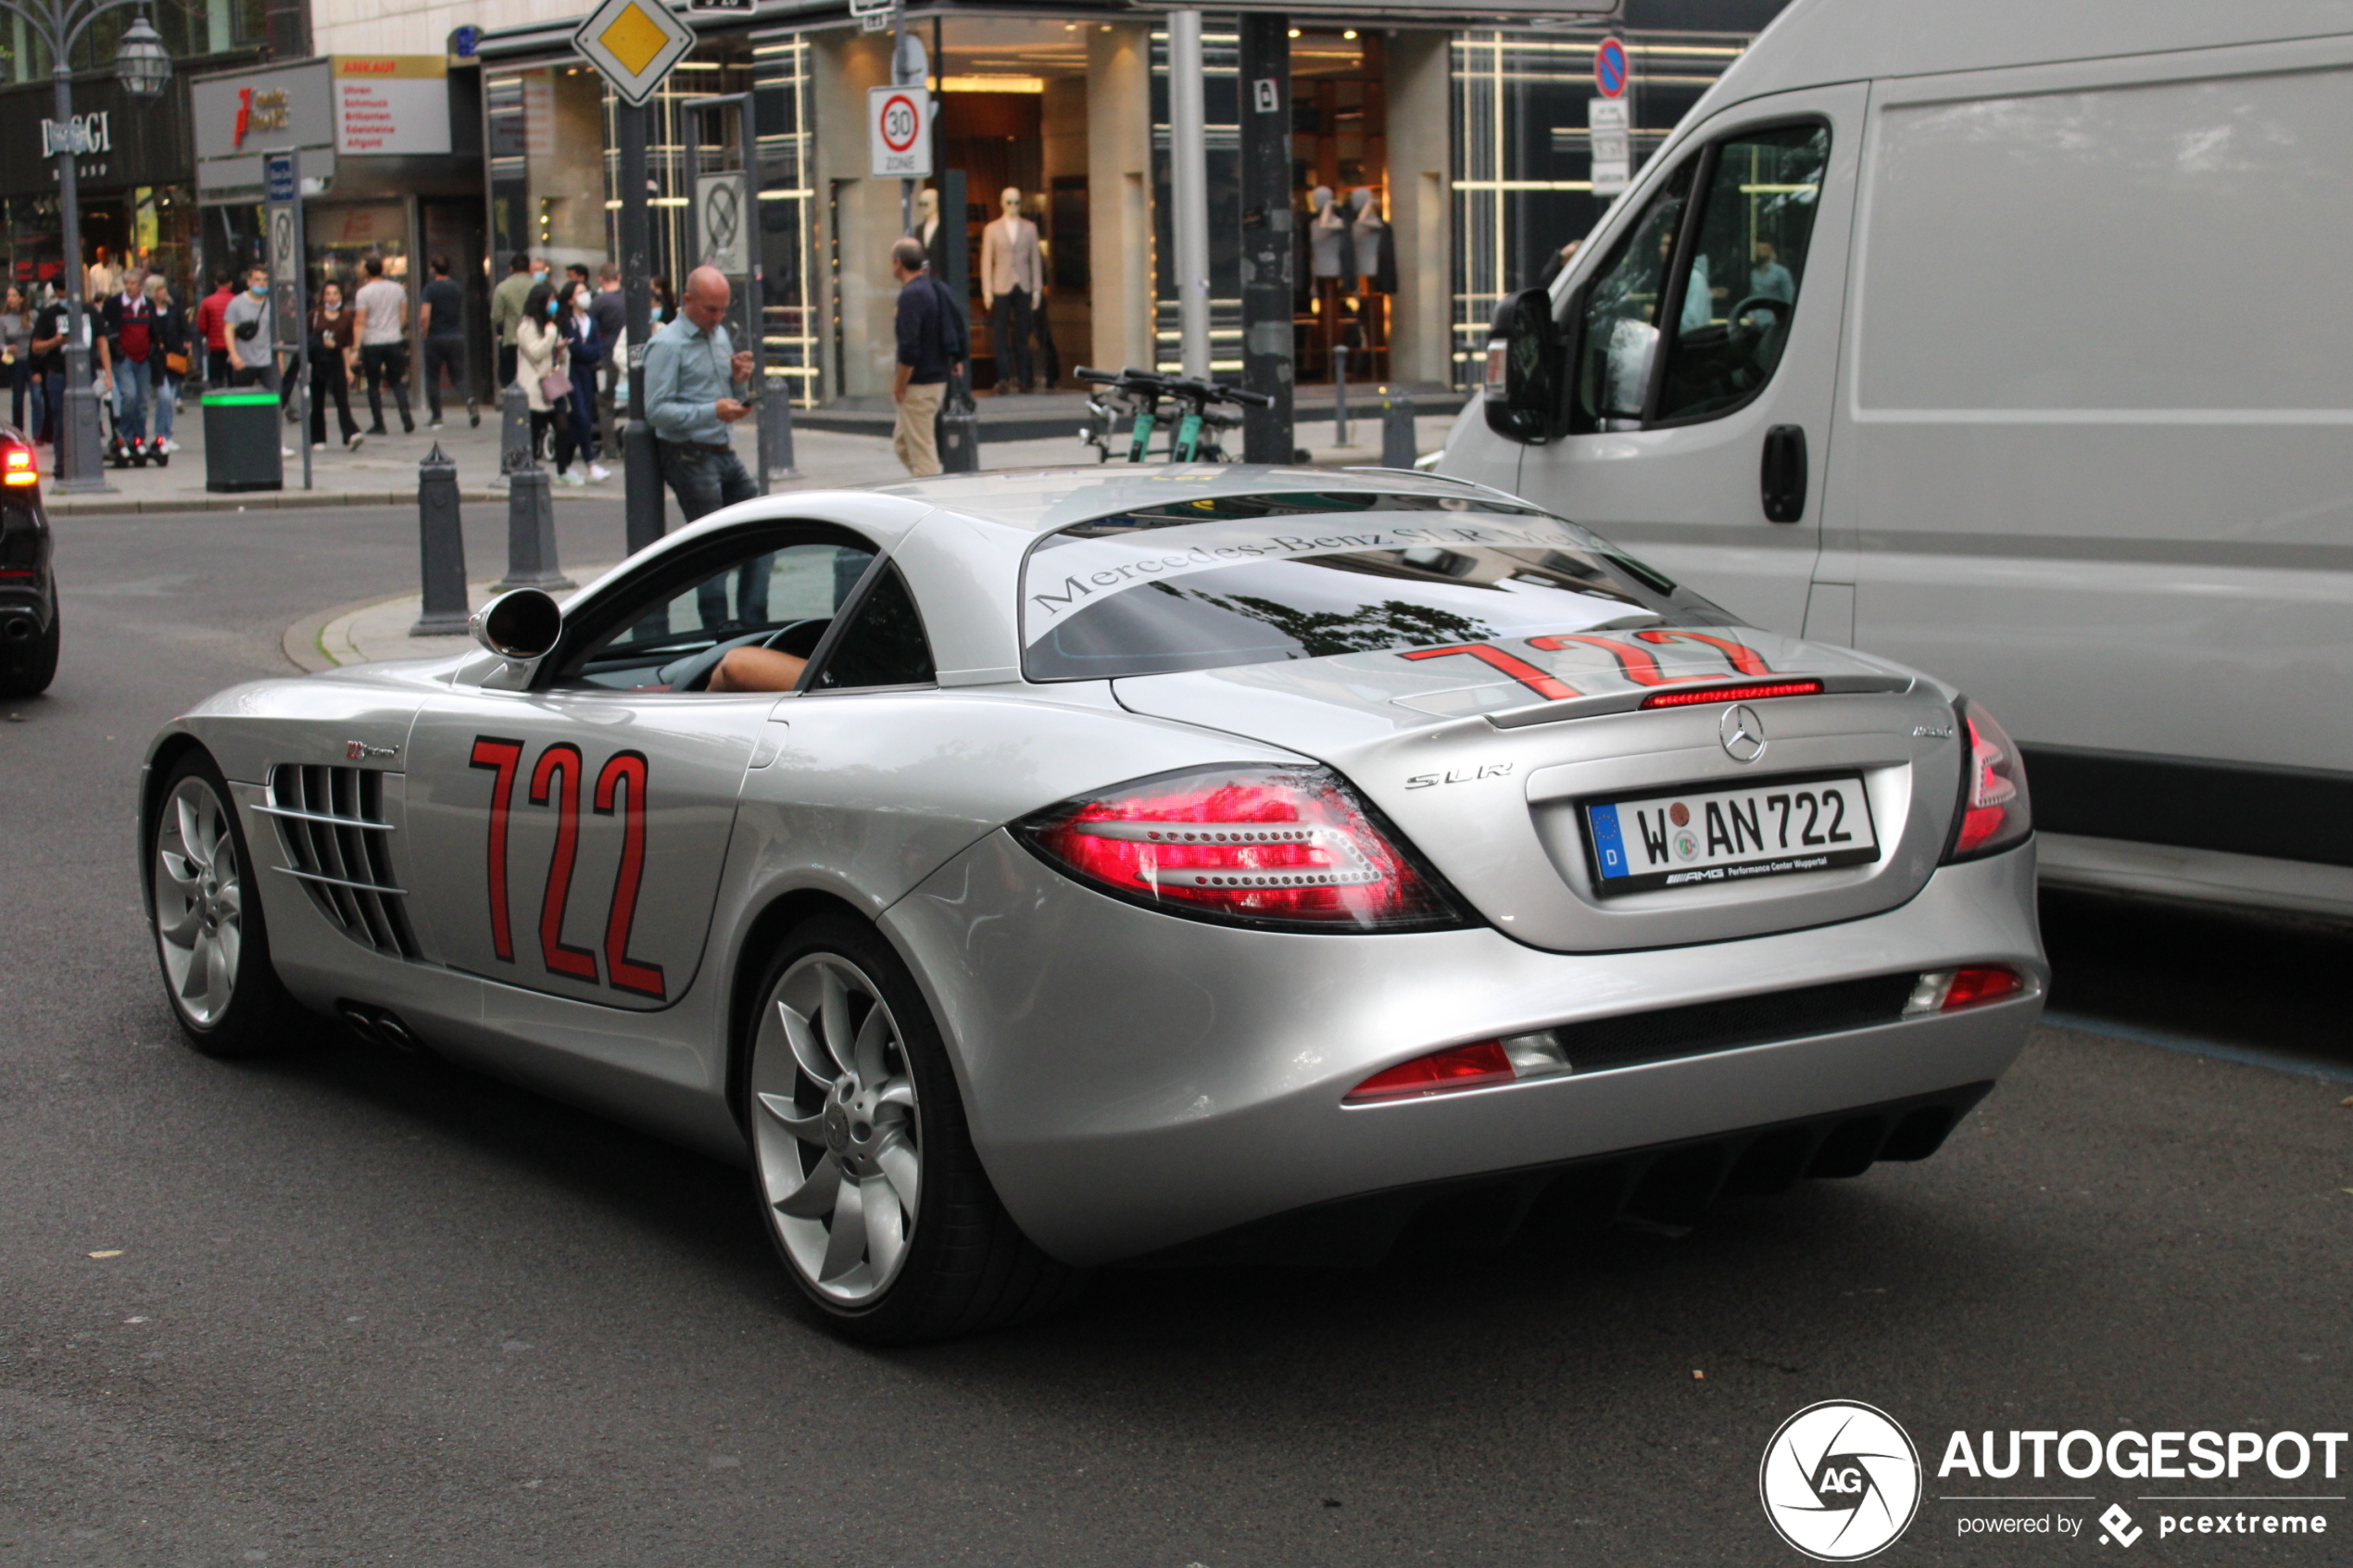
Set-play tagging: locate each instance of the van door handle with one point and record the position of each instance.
(1782, 475)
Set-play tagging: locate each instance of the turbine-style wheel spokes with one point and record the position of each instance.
(200, 901)
(837, 1131)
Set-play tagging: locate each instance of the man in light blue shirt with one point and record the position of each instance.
(693, 381)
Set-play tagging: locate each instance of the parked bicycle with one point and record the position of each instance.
(1196, 425)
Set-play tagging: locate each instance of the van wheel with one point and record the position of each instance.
(864, 1169)
(209, 931)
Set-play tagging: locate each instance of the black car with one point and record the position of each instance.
(27, 587)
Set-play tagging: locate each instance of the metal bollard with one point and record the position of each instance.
(1397, 440)
(531, 534)
(775, 431)
(1339, 395)
(441, 548)
(514, 431)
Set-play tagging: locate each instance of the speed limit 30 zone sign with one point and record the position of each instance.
(899, 131)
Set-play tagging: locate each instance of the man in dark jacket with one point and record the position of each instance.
(931, 345)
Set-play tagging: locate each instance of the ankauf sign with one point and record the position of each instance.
(344, 105)
(390, 104)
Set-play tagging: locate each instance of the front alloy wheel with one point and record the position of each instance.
(866, 1173)
(210, 936)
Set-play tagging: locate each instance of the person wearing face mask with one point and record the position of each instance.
(585, 346)
(542, 364)
(252, 361)
(506, 312)
(334, 344)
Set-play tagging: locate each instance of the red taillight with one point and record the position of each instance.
(1732, 694)
(1949, 990)
(1994, 814)
(1458, 1067)
(16, 466)
(1259, 845)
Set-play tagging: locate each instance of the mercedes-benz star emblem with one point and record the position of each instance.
(1742, 733)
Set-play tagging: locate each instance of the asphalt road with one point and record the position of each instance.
(370, 1309)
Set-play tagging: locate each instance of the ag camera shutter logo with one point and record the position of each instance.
(1841, 1481)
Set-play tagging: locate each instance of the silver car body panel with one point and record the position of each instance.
(1133, 1078)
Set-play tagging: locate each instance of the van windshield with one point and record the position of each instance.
(1147, 594)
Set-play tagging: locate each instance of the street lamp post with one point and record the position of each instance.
(142, 66)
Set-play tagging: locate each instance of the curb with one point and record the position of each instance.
(265, 500)
(301, 642)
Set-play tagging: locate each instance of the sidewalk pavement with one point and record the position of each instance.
(384, 473)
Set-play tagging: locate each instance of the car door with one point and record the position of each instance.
(1704, 337)
(568, 839)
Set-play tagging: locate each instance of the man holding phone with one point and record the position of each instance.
(694, 390)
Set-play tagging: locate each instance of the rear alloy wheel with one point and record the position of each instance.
(207, 926)
(867, 1177)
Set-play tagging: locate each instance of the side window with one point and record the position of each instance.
(1621, 310)
(884, 644)
(1763, 191)
(783, 594)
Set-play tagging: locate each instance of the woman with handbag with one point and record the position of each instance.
(334, 344)
(543, 370)
(171, 358)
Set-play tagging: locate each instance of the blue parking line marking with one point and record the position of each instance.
(2244, 1056)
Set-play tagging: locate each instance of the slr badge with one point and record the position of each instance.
(358, 750)
(1742, 733)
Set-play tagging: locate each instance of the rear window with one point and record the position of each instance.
(1281, 577)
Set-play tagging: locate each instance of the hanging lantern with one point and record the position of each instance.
(142, 65)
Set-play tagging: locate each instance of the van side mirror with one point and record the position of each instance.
(1525, 391)
(520, 626)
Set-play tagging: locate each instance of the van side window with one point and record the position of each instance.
(1762, 192)
(1621, 310)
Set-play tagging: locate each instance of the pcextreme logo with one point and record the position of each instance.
(1841, 1481)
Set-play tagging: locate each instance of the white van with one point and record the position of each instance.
(2012, 341)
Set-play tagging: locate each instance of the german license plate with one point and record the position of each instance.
(1711, 837)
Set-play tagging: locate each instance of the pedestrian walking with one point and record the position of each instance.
(505, 310)
(49, 365)
(695, 380)
(126, 356)
(334, 349)
(543, 370)
(212, 329)
(252, 361)
(441, 325)
(16, 346)
(611, 308)
(932, 345)
(171, 361)
(584, 347)
(382, 309)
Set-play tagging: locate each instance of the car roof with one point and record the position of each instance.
(1040, 500)
(1815, 41)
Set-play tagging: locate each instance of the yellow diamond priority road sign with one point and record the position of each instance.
(633, 42)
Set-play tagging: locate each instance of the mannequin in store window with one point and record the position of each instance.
(1376, 261)
(930, 233)
(1012, 284)
(1331, 251)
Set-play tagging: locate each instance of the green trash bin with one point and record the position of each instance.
(241, 445)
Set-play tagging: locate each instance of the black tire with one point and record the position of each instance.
(259, 1017)
(28, 670)
(966, 1267)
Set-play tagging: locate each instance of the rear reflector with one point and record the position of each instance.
(1950, 990)
(1476, 1066)
(1693, 699)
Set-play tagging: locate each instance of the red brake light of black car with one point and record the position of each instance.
(1755, 693)
(1288, 847)
(16, 464)
(1994, 809)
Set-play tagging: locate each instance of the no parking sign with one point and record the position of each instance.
(898, 132)
(1610, 73)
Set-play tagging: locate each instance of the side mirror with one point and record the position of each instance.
(520, 626)
(1524, 393)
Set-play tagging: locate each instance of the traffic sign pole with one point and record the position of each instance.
(289, 282)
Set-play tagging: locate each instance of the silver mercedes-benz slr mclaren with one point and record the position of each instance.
(1179, 864)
